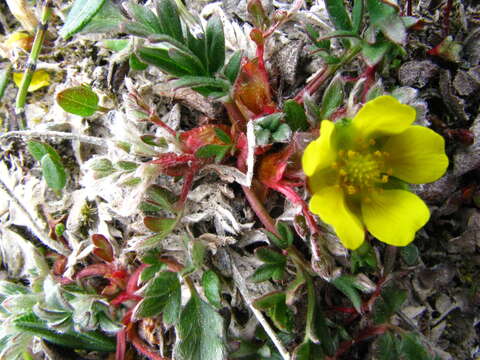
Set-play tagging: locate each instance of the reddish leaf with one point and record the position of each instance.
(103, 248)
(201, 136)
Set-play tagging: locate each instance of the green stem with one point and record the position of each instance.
(32, 62)
(309, 332)
(27, 356)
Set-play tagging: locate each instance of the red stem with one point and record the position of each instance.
(313, 85)
(365, 334)
(259, 210)
(121, 345)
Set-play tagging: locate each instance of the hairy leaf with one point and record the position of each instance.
(215, 39)
(53, 172)
(79, 16)
(78, 100)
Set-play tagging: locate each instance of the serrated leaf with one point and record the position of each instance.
(78, 100)
(391, 301)
(276, 308)
(201, 333)
(385, 17)
(79, 16)
(410, 254)
(162, 294)
(210, 150)
(167, 13)
(159, 225)
(160, 196)
(233, 66)
(160, 59)
(215, 40)
(270, 256)
(374, 53)
(338, 14)
(267, 271)
(282, 134)
(95, 341)
(386, 348)
(279, 242)
(332, 97)
(222, 135)
(211, 287)
(53, 172)
(295, 116)
(412, 349)
(285, 233)
(346, 284)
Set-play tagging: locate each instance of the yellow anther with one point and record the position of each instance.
(341, 153)
(335, 165)
(342, 172)
(384, 179)
(351, 154)
(351, 190)
(377, 153)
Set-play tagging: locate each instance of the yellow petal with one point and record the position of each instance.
(394, 216)
(417, 155)
(319, 153)
(40, 79)
(383, 115)
(330, 204)
(322, 178)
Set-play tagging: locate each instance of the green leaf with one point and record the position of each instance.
(215, 41)
(136, 64)
(149, 272)
(346, 284)
(79, 16)
(210, 150)
(127, 165)
(285, 233)
(162, 294)
(267, 271)
(387, 347)
(332, 98)
(201, 333)
(374, 53)
(363, 257)
(388, 304)
(270, 256)
(194, 81)
(222, 135)
(410, 254)
(198, 254)
(144, 16)
(357, 16)
(276, 308)
(160, 59)
(8, 288)
(295, 116)
(385, 17)
(308, 351)
(78, 100)
(160, 225)
(115, 44)
(187, 60)
(211, 287)
(233, 66)
(412, 349)
(53, 172)
(102, 167)
(338, 14)
(162, 197)
(4, 79)
(39, 150)
(282, 134)
(107, 19)
(167, 13)
(94, 341)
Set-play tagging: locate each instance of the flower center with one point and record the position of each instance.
(361, 171)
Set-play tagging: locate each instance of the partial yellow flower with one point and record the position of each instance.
(40, 79)
(356, 172)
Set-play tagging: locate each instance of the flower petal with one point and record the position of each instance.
(330, 204)
(417, 155)
(383, 115)
(319, 153)
(394, 216)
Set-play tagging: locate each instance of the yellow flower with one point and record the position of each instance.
(354, 170)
